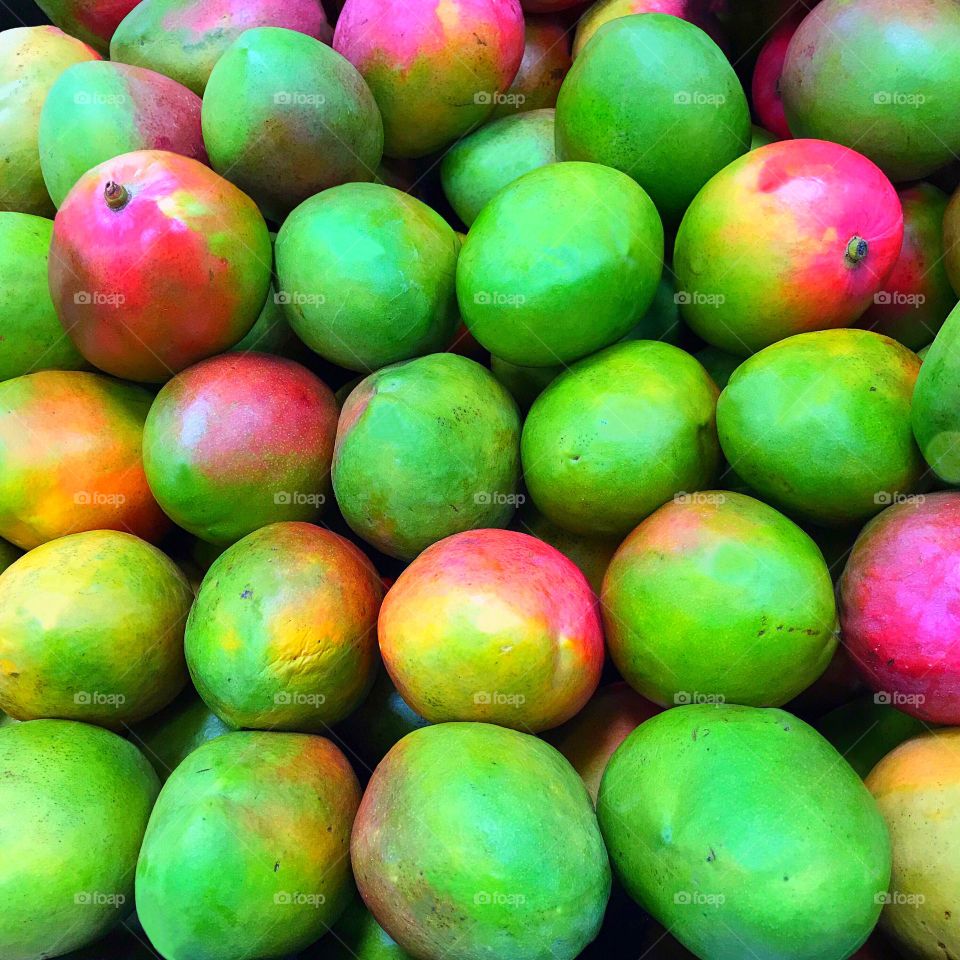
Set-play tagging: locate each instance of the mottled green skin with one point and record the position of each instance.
(76, 613)
(475, 841)
(745, 833)
(563, 242)
(176, 731)
(74, 802)
(246, 851)
(618, 434)
(283, 633)
(850, 61)
(655, 97)
(99, 110)
(936, 402)
(719, 596)
(309, 120)
(719, 364)
(480, 165)
(591, 554)
(31, 337)
(184, 39)
(865, 731)
(31, 59)
(819, 424)
(386, 288)
(426, 449)
(383, 719)
(358, 936)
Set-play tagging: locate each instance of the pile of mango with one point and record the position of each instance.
(480, 480)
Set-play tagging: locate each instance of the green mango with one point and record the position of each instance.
(357, 936)
(565, 242)
(246, 851)
(31, 337)
(474, 841)
(74, 803)
(618, 435)
(386, 290)
(480, 165)
(309, 120)
(746, 834)
(426, 449)
(936, 402)
(654, 96)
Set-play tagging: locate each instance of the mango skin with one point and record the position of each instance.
(916, 788)
(865, 730)
(386, 292)
(617, 435)
(280, 149)
(169, 736)
(426, 449)
(590, 738)
(184, 41)
(206, 893)
(934, 412)
(476, 168)
(221, 485)
(436, 67)
(917, 296)
(706, 868)
(562, 242)
(31, 59)
(718, 595)
(847, 452)
(630, 101)
(74, 803)
(92, 21)
(879, 76)
(475, 841)
(75, 613)
(546, 60)
(283, 633)
(178, 273)
(493, 626)
(70, 458)
(897, 610)
(31, 337)
(743, 286)
(99, 110)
